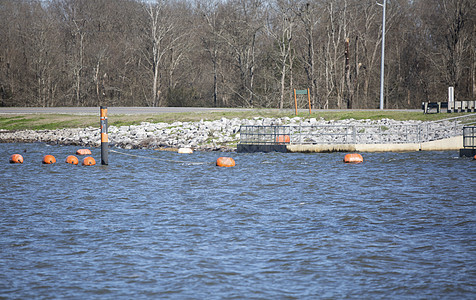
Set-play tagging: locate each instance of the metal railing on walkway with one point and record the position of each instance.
(469, 137)
(263, 135)
(354, 134)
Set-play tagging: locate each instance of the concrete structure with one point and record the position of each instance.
(453, 143)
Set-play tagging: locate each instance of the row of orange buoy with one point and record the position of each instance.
(348, 158)
(221, 161)
(89, 161)
(50, 159)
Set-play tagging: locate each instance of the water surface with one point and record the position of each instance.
(296, 226)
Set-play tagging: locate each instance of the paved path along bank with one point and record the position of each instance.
(111, 110)
(219, 135)
(142, 110)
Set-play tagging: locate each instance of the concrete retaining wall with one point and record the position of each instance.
(453, 143)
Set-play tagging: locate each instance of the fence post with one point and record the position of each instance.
(418, 132)
(300, 132)
(427, 132)
(275, 137)
(406, 133)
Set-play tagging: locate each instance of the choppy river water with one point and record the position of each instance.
(275, 226)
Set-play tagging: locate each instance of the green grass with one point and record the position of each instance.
(57, 121)
(378, 115)
(46, 121)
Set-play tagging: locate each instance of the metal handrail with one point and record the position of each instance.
(469, 137)
(466, 119)
(354, 134)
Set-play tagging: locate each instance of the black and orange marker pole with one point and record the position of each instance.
(104, 139)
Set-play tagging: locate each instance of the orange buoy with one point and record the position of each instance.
(225, 162)
(281, 139)
(83, 152)
(474, 158)
(16, 159)
(71, 159)
(353, 158)
(49, 159)
(89, 161)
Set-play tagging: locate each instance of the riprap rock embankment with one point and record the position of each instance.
(218, 135)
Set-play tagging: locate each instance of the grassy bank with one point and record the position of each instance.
(57, 121)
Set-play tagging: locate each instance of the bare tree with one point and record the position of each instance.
(309, 15)
(280, 27)
(159, 27)
(457, 37)
(234, 52)
(241, 29)
(212, 31)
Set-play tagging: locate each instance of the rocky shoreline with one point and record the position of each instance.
(218, 135)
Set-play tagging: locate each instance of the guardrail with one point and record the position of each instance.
(462, 106)
(354, 134)
(454, 106)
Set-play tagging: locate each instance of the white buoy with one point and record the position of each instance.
(185, 150)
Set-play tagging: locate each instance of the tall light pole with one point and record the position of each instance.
(383, 53)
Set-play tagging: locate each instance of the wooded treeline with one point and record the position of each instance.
(234, 53)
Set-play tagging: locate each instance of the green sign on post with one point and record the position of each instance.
(302, 92)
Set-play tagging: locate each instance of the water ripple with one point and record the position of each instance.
(298, 226)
